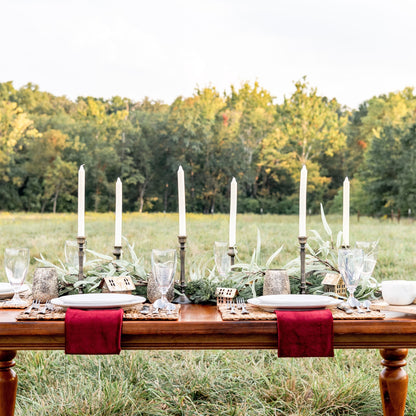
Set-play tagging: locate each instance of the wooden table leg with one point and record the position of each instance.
(8, 383)
(393, 381)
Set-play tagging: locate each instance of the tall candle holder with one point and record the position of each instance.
(302, 242)
(182, 298)
(231, 253)
(117, 252)
(81, 244)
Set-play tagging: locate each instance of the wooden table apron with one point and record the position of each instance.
(201, 327)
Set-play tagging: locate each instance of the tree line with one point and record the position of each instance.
(242, 133)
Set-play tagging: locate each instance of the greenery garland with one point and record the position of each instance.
(247, 278)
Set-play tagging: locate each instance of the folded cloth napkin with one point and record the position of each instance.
(93, 331)
(305, 333)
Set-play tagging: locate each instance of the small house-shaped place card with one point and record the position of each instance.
(224, 294)
(118, 284)
(333, 282)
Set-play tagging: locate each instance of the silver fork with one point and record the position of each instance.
(243, 306)
(35, 305)
(47, 307)
(233, 305)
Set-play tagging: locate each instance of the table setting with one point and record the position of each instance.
(105, 284)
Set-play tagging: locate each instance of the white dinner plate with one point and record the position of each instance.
(6, 290)
(97, 300)
(272, 302)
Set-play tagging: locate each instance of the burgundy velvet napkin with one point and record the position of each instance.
(93, 331)
(305, 333)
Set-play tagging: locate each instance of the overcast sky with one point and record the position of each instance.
(348, 49)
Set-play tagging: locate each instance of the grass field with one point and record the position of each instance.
(205, 383)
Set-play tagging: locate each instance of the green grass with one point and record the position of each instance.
(207, 382)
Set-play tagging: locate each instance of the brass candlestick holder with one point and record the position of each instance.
(81, 243)
(231, 253)
(117, 252)
(182, 298)
(302, 242)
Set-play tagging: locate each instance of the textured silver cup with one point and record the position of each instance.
(276, 282)
(45, 284)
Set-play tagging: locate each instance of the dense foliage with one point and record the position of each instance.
(243, 133)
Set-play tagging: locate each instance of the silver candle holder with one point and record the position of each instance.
(81, 243)
(117, 252)
(302, 243)
(182, 298)
(231, 253)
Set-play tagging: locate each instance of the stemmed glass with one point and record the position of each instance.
(16, 263)
(72, 254)
(350, 264)
(222, 259)
(163, 268)
(370, 257)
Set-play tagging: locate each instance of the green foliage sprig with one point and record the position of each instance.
(247, 278)
(96, 270)
(322, 258)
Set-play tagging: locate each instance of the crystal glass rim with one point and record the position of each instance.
(156, 250)
(350, 250)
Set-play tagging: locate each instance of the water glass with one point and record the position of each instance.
(350, 264)
(163, 268)
(16, 264)
(370, 257)
(72, 254)
(222, 259)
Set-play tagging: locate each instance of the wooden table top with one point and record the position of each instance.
(201, 327)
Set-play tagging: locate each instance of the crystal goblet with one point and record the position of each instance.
(350, 264)
(222, 259)
(16, 264)
(163, 268)
(370, 257)
(72, 255)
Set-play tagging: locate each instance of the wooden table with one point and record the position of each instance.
(201, 327)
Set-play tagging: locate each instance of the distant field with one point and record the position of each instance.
(202, 383)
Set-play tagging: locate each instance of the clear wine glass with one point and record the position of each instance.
(163, 268)
(72, 255)
(370, 257)
(16, 263)
(350, 264)
(222, 259)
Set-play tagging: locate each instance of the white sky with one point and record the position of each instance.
(348, 49)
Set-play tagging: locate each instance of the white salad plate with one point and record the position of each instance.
(97, 301)
(7, 291)
(272, 302)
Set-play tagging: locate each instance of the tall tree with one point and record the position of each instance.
(309, 129)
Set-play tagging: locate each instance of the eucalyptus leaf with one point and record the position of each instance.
(273, 256)
(339, 239)
(325, 223)
(258, 247)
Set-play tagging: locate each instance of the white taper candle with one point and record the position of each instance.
(346, 213)
(119, 211)
(302, 201)
(81, 202)
(181, 198)
(233, 213)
